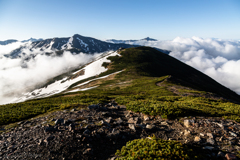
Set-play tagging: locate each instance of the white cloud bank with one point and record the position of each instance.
(18, 76)
(219, 59)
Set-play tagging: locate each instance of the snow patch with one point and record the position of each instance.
(84, 89)
(69, 44)
(82, 43)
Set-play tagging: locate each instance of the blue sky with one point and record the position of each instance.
(125, 19)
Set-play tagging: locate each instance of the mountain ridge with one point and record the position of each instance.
(74, 44)
(119, 98)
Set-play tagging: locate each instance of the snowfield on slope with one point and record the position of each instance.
(93, 69)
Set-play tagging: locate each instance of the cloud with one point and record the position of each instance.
(18, 75)
(219, 59)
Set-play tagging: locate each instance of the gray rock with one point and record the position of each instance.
(93, 106)
(105, 123)
(72, 127)
(132, 127)
(72, 110)
(59, 121)
(150, 126)
(211, 141)
(201, 134)
(233, 134)
(119, 121)
(187, 133)
(164, 123)
(109, 120)
(67, 122)
(210, 135)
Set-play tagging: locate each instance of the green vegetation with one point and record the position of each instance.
(152, 148)
(20, 111)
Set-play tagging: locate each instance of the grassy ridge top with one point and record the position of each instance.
(146, 61)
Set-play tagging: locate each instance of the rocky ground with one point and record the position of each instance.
(98, 131)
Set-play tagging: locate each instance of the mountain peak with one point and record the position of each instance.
(32, 40)
(149, 39)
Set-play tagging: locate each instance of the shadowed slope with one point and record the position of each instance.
(147, 61)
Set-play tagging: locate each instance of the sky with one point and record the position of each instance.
(125, 19)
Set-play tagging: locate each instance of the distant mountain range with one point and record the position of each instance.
(8, 42)
(74, 44)
(14, 40)
(129, 41)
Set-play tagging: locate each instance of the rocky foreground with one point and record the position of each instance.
(98, 131)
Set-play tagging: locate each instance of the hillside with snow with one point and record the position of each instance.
(93, 68)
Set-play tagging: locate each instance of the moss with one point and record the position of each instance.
(152, 148)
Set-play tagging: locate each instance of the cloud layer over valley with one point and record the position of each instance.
(219, 59)
(19, 75)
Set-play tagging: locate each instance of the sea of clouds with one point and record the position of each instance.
(18, 76)
(219, 59)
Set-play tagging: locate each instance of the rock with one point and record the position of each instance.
(146, 118)
(187, 133)
(40, 142)
(59, 121)
(119, 121)
(131, 120)
(220, 125)
(164, 123)
(210, 141)
(150, 126)
(72, 127)
(132, 127)
(233, 134)
(208, 147)
(67, 122)
(105, 123)
(93, 106)
(201, 134)
(210, 135)
(109, 120)
(72, 110)
(88, 151)
(220, 154)
(197, 139)
(186, 123)
(230, 156)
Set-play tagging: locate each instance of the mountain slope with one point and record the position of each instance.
(150, 62)
(143, 79)
(119, 98)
